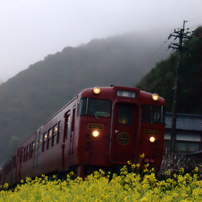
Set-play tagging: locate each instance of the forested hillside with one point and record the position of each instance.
(161, 78)
(35, 94)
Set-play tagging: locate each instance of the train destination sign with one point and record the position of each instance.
(151, 132)
(95, 126)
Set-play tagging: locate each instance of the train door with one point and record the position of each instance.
(124, 133)
(13, 170)
(18, 165)
(38, 147)
(66, 136)
(71, 139)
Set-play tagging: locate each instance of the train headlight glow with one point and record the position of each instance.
(95, 133)
(155, 97)
(152, 139)
(96, 90)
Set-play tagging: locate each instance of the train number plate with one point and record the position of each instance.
(151, 132)
(95, 126)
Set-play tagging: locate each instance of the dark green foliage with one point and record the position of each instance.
(161, 79)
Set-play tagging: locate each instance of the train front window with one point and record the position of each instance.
(153, 114)
(125, 115)
(95, 107)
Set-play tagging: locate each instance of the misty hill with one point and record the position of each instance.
(35, 94)
(161, 78)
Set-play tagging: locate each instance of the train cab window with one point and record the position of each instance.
(78, 105)
(146, 113)
(83, 106)
(95, 107)
(50, 137)
(125, 115)
(55, 132)
(153, 114)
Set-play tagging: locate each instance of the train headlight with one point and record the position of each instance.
(96, 90)
(95, 133)
(152, 139)
(155, 97)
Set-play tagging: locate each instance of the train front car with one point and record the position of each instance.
(115, 127)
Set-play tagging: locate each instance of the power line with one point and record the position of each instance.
(194, 18)
(152, 57)
(195, 26)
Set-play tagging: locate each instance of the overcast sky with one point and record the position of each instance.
(32, 29)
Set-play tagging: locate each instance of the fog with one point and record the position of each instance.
(30, 30)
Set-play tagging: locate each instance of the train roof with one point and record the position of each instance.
(112, 89)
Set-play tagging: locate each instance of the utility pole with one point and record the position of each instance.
(179, 46)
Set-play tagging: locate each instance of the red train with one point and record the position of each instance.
(100, 128)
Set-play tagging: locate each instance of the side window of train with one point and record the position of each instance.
(73, 120)
(14, 162)
(58, 136)
(24, 155)
(36, 147)
(44, 141)
(8, 167)
(67, 124)
(27, 153)
(40, 142)
(55, 132)
(20, 155)
(50, 133)
(32, 148)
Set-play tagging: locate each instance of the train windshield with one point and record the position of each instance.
(153, 114)
(95, 107)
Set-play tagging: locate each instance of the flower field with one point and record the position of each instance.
(143, 187)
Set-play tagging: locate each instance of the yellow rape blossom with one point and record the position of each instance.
(142, 155)
(97, 187)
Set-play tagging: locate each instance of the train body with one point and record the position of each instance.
(100, 128)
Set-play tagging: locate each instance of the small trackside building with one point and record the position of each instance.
(188, 133)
